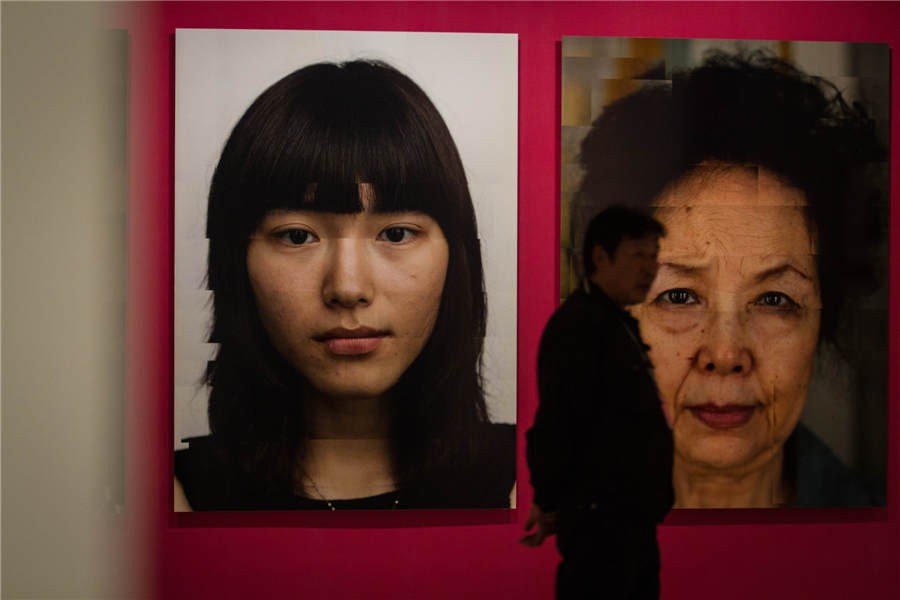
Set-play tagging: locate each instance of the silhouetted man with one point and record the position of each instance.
(600, 450)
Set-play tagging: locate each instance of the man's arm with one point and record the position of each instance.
(564, 370)
(549, 439)
(545, 522)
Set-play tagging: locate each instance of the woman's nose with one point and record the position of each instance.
(725, 349)
(348, 280)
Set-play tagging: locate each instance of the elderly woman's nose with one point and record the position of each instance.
(725, 349)
(348, 278)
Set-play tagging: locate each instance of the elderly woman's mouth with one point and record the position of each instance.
(728, 416)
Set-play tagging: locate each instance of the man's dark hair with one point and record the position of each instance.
(306, 143)
(756, 111)
(609, 227)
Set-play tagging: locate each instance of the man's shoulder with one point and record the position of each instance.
(578, 317)
(580, 309)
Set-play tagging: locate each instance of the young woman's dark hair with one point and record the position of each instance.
(750, 110)
(306, 143)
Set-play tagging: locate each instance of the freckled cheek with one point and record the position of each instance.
(284, 305)
(670, 334)
(668, 379)
(414, 295)
(672, 356)
(672, 370)
(278, 322)
(784, 370)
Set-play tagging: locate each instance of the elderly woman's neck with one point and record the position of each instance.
(760, 486)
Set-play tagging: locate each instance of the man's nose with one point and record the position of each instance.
(724, 349)
(348, 277)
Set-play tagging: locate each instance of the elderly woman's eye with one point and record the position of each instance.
(677, 296)
(397, 235)
(296, 237)
(776, 300)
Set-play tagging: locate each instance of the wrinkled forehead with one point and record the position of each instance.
(723, 184)
(734, 211)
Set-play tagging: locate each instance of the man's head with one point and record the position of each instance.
(621, 246)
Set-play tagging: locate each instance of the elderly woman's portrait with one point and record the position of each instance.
(346, 339)
(766, 162)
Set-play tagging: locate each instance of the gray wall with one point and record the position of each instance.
(64, 199)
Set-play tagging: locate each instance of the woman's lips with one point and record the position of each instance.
(352, 342)
(723, 417)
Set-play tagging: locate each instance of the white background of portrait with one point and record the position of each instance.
(473, 81)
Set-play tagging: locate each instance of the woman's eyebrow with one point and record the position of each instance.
(778, 271)
(683, 268)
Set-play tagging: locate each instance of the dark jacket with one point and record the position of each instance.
(599, 436)
(819, 477)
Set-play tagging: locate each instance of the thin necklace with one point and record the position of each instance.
(330, 504)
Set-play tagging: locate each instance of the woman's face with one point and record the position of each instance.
(348, 299)
(733, 316)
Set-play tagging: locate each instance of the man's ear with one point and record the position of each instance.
(599, 257)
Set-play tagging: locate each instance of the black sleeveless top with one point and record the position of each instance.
(207, 484)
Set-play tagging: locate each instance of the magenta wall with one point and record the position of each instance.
(825, 554)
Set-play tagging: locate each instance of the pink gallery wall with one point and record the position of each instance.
(710, 554)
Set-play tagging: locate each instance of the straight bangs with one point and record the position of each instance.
(319, 133)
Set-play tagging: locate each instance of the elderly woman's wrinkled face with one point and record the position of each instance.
(733, 316)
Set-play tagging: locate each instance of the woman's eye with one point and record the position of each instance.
(296, 237)
(677, 296)
(776, 300)
(397, 235)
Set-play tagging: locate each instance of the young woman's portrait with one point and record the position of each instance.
(355, 240)
(767, 321)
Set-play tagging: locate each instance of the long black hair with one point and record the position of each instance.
(305, 143)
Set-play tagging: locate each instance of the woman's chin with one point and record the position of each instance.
(352, 378)
(352, 393)
(718, 459)
(724, 453)
(353, 386)
(730, 445)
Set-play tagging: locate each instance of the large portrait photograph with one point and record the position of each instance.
(345, 270)
(766, 162)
